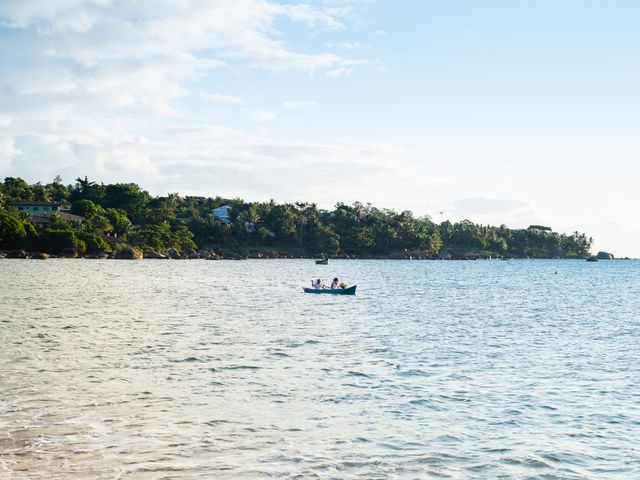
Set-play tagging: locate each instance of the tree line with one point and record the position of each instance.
(123, 214)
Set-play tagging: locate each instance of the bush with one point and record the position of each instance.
(119, 220)
(54, 241)
(84, 208)
(80, 247)
(94, 243)
(12, 231)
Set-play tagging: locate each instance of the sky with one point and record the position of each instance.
(515, 111)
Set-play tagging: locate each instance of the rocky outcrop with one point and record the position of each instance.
(156, 255)
(39, 256)
(97, 256)
(130, 253)
(175, 254)
(208, 254)
(68, 253)
(605, 256)
(16, 254)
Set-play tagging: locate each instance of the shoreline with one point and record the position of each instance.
(136, 254)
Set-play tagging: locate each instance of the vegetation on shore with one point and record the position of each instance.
(124, 215)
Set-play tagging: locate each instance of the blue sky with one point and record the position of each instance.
(513, 112)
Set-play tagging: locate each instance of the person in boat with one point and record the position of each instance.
(335, 284)
(316, 284)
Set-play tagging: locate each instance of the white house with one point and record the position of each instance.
(222, 213)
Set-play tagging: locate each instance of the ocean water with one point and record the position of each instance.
(226, 370)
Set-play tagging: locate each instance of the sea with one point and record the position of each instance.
(154, 369)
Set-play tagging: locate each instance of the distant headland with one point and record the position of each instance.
(122, 220)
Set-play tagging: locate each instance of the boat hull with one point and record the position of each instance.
(335, 291)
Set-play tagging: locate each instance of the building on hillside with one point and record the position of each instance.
(39, 208)
(44, 218)
(41, 213)
(222, 214)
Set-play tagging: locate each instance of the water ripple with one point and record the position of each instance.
(198, 369)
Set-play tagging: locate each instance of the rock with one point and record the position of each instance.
(605, 256)
(194, 256)
(16, 254)
(130, 253)
(175, 254)
(97, 256)
(156, 255)
(39, 256)
(68, 253)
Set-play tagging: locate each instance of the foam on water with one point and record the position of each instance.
(199, 369)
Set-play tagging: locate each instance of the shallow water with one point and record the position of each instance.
(226, 370)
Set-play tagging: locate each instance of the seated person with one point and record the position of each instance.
(334, 284)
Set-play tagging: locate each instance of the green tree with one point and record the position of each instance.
(119, 221)
(93, 242)
(128, 197)
(12, 231)
(54, 241)
(84, 208)
(85, 189)
(57, 191)
(16, 189)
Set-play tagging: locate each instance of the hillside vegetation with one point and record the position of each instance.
(123, 214)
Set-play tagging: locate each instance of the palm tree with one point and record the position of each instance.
(84, 185)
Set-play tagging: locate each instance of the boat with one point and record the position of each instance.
(324, 261)
(332, 291)
(592, 258)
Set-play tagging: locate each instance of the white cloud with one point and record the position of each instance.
(5, 120)
(8, 150)
(483, 206)
(125, 54)
(256, 167)
(297, 105)
(222, 98)
(132, 91)
(261, 116)
(74, 62)
(339, 72)
(348, 45)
